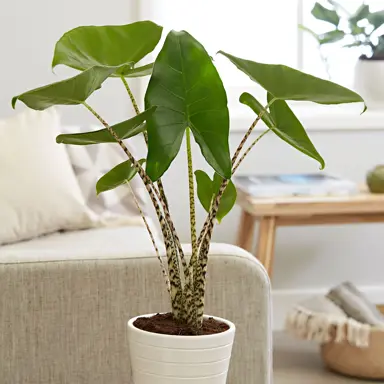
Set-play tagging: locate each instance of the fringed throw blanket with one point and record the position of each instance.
(344, 314)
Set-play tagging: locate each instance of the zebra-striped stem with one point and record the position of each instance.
(163, 270)
(160, 192)
(173, 262)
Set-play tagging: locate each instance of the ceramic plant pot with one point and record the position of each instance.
(169, 359)
(369, 82)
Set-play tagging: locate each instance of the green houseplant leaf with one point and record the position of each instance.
(145, 70)
(207, 189)
(112, 46)
(121, 174)
(376, 19)
(331, 37)
(290, 84)
(325, 14)
(188, 91)
(283, 122)
(361, 13)
(67, 92)
(289, 129)
(124, 130)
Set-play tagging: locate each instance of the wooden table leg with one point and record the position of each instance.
(266, 242)
(246, 231)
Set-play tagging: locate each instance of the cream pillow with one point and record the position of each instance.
(39, 193)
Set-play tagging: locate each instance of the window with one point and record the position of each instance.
(261, 30)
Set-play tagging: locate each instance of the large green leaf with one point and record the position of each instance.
(361, 13)
(188, 91)
(376, 19)
(325, 14)
(289, 129)
(282, 121)
(331, 37)
(67, 92)
(208, 189)
(113, 46)
(124, 130)
(290, 84)
(121, 174)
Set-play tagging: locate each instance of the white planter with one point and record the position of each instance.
(369, 82)
(168, 359)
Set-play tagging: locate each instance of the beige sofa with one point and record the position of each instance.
(64, 305)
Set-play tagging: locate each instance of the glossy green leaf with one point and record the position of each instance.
(113, 45)
(67, 92)
(331, 37)
(325, 14)
(290, 84)
(361, 13)
(121, 174)
(376, 19)
(188, 91)
(124, 130)
(204, 189)
(208, 189)
(289, 129)
(257, 107)
(282, 121)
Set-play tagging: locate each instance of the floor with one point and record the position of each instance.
(298, 362)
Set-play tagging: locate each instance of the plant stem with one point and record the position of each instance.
(249, 150)
(191, 192)
(205, 237)
(160, 186)
(177, 297)
(163, 270)
(189, 286)
(134, 104)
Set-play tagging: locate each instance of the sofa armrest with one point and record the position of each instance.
(64, 321)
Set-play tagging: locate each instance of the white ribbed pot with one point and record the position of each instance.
(369, 82)
(168, 359)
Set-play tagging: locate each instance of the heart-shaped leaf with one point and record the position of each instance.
(325, 14)
(188, 91)
(290, 84)
(124, 130)
(208, 189)
(67, 92)
(112, 46)
(283, 122)
(121, 174)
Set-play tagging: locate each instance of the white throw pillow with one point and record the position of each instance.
(90, 162)
(39, 193)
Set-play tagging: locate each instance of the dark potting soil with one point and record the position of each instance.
(165, 324)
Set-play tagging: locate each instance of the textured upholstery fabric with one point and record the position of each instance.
(64, 321)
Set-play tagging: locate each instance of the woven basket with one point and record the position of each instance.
(364, 363)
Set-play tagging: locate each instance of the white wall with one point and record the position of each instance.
(305, 257)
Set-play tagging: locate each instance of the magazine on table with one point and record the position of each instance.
(317, 184)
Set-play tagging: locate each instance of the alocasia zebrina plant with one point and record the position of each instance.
(185, 100)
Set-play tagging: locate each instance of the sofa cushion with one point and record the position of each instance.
(97, 243)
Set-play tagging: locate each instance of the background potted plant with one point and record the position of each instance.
(185, 98)
(361, 29)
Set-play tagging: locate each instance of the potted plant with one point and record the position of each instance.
(185, 99)
(361, 29)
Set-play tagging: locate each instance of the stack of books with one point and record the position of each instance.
(319, 184)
